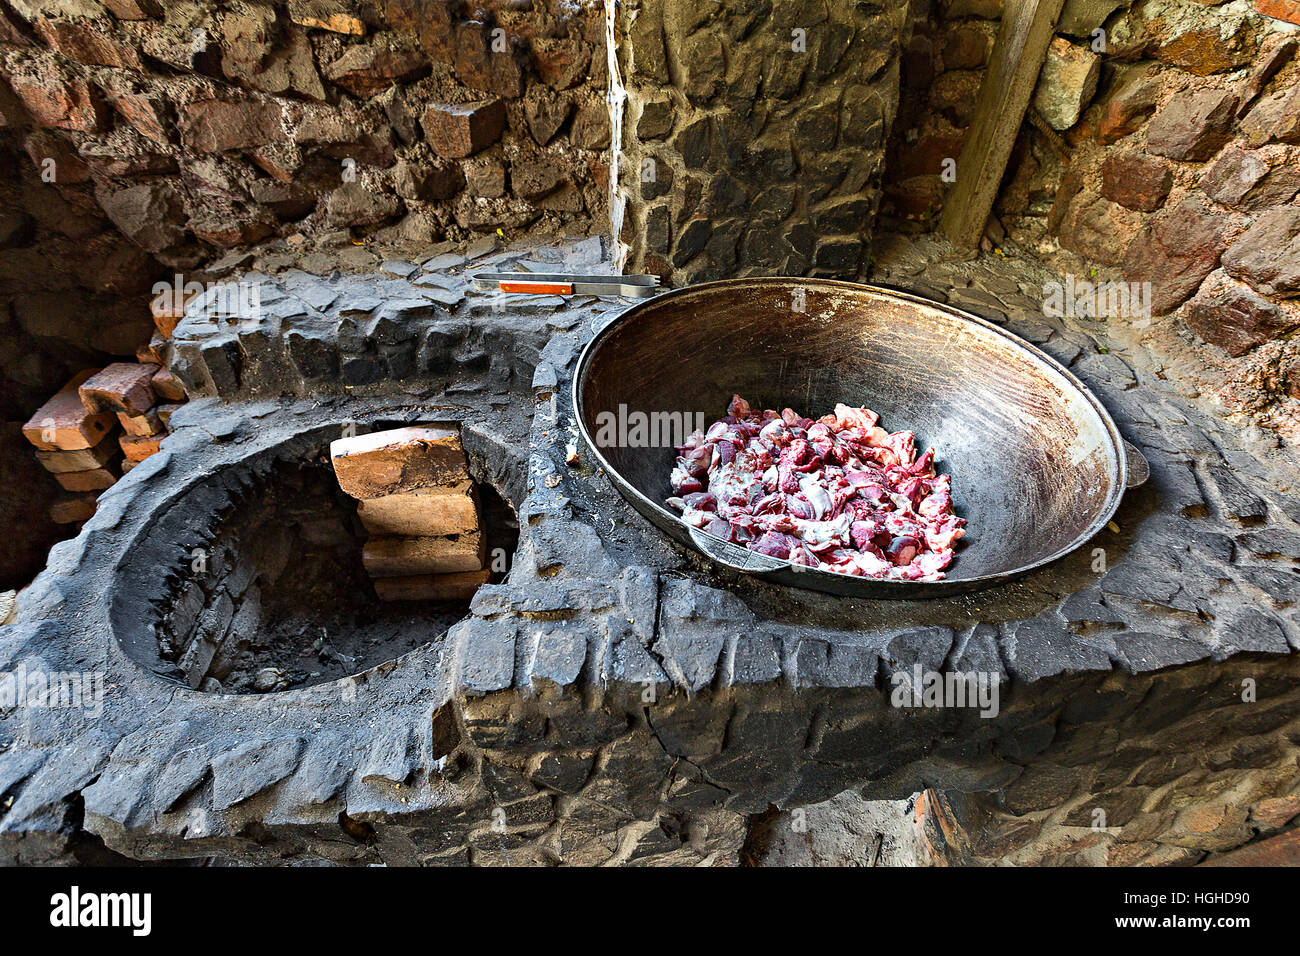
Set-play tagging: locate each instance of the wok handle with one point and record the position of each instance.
(733, 556)
(1139, 470)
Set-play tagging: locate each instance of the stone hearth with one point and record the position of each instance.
(615, 699)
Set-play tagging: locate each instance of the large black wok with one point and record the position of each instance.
(1037, 464)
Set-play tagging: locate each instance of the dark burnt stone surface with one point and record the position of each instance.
(617, 699)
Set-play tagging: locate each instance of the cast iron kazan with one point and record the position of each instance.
(1038, 466)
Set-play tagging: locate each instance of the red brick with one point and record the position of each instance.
(141, 426)
(63, 423)
(139, 448)
(400, 460)
(390, 556)
(431, 587)
(165, 413)
(168, 309)
(73, 508)
(168, 386)
(80, 459)
(429, 511)
(121, 387)
(95, 480)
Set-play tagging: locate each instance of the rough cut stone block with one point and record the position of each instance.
(63, 423)
(141, 426)
(1235, 318)
(431, 587)
(215, 126)
(80, 459)
(400, 460)
(388, 557)
(1067, 83)
(429, 511)
(86, 44)
(1265, 255)
(121, 387)
(1135, 181)
(53, 103)
(71, 509)
(325, 15)
(1288, 10)
(1192, 126)
(1175, 251)
(95, 480)
(463, 129)
(139, 448)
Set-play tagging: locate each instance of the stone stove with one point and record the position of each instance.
(613, 698)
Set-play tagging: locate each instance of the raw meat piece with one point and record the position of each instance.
(839, 493)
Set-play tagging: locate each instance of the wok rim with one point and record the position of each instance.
(640, 502)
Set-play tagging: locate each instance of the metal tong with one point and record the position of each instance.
(560, 283)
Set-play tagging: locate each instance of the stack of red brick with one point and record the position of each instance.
(421, 508)
(98, 427)
(106, 421)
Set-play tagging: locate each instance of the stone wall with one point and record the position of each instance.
(942, 67)
(1184, 175)
(190, 129)
(754, 134)
(1161, 146)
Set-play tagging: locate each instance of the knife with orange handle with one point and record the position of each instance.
(547, 283)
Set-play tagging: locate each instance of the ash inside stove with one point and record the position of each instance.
(280, 599)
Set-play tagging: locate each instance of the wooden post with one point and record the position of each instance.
(1009, 83)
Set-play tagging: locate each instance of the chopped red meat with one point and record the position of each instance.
(840, 493)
